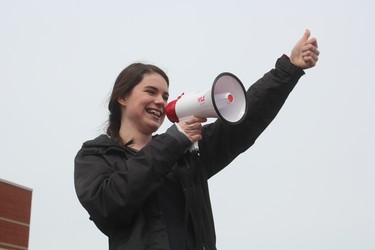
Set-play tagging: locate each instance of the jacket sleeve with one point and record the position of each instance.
(222, 142)
(112, 188)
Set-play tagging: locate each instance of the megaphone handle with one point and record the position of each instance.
(194, 147)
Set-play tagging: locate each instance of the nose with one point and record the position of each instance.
(160, 100)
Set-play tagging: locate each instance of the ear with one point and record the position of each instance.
(122, 101)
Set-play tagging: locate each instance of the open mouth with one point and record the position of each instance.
(154, 112)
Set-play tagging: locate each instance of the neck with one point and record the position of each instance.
(139, 139)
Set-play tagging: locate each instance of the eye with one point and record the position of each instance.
(150, 91)
(166, 97)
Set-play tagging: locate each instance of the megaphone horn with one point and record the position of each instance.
(226, 100)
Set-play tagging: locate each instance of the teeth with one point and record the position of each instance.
(154, 112)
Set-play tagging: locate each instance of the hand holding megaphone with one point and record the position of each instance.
(192, 127)
(225, 100)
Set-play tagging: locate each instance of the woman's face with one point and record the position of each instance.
(145, 106)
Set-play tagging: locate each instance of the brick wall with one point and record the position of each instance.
(15, 208)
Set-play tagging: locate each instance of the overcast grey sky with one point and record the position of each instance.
(307, 183)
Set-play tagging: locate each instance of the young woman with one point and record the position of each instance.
(148, 191)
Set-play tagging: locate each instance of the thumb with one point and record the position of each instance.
(305, 36)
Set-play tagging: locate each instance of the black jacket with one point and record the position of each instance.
(123, 190)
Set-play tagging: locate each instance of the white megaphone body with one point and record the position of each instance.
(225, 100)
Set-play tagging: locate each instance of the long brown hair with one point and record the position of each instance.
(130, 77)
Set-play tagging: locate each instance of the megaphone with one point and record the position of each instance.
(225, 100)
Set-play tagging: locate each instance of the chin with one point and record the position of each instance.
(155, 126)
